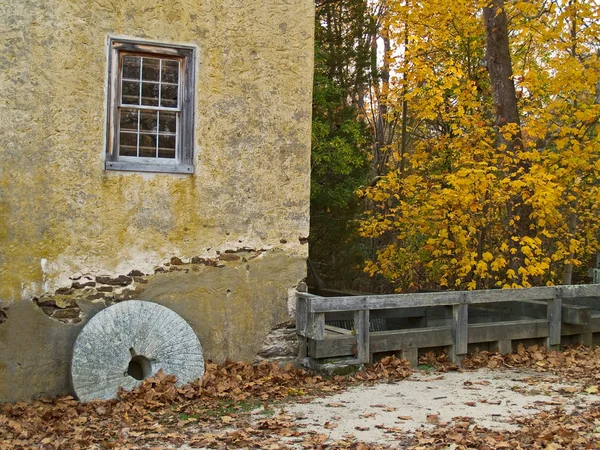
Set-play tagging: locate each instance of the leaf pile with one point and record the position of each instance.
(547, 430)
(215, 412)
(158, 410)
(578, 362)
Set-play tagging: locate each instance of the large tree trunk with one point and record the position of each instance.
(499, 65)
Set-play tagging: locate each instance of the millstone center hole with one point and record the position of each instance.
(139, 367)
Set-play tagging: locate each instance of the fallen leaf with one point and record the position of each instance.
(433, 418)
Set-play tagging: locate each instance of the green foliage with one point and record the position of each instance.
(340, 139)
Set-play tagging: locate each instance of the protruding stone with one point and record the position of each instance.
(280, 344)
(131, 341)
(121, 280)
(204, 261)
(78, 285)
(136, 273)
(63, 301)
(64, 291)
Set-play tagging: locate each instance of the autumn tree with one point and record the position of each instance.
(488, 197)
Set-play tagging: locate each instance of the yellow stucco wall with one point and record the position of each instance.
(62, 214)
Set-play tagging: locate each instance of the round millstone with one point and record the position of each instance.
(128, 342)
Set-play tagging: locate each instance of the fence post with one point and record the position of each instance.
(317, 326)
(411, 355)
(460, 316)
(554, 319)
(301, 325)
(361, 329)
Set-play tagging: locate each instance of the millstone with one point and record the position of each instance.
(128, 342)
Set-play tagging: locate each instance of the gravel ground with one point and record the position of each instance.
(491, 398)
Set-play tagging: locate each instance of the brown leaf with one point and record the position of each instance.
(433, 418)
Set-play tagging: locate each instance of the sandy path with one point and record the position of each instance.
(375, 413)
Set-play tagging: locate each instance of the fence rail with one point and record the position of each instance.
(565, 314)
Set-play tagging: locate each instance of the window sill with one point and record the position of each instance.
(148, 167)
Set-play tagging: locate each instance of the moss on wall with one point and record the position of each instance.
(65, 215)
(251, 183)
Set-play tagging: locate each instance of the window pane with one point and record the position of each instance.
(148, 121)
(131, 67)
(130, 93)
(148, 145)
(169, 96)
(170, 71)
(166, 146)
(150, 69)
(150, 94)
(168, 122)
(129, 119)
(128, 144)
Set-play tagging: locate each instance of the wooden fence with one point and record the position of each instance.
(557, 312)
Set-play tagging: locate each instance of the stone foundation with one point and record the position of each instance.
(238, 307)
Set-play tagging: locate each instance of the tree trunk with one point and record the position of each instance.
(499, 67)
(572, 227)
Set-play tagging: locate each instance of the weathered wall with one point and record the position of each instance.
(65, 218)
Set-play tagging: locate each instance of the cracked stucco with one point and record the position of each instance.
(64, 214)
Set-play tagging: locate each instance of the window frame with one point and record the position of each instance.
(184, 160)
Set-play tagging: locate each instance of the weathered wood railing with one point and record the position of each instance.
(567, 313)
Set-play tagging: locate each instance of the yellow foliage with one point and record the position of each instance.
(446, 213)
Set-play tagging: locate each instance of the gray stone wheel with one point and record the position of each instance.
(128, 342)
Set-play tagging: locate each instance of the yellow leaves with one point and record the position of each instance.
(487, 256)
(481, 269)
(573, 245)
(466, 212)
(293, 392)
(498, 264)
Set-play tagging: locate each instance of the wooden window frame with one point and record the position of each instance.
(184, 161)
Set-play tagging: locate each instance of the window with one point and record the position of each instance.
(151, 107)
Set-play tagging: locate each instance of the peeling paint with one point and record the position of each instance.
(184, 241)
(251, 183)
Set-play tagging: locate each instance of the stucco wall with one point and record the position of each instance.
(64, 216)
